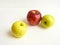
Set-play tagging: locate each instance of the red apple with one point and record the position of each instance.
(34, 17)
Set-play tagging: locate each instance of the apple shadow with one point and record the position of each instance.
(9, 34)
(39, 25)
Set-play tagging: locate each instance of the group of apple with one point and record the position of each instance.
(34, 17)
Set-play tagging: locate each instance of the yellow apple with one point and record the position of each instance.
(47, 21)
(19, 28)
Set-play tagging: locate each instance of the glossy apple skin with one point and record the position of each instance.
(47, 21)
(19, 28)
(34, 17)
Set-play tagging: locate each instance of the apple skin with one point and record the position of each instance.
(47, 21)
(19, 28)
(34, 17)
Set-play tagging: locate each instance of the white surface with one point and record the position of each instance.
(13, 10)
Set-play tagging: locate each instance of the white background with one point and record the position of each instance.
(13, 10)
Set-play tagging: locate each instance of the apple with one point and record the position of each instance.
(19, 28)
(47, 21)
(34, 17)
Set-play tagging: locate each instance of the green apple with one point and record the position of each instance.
(19, 28)
(47, 21)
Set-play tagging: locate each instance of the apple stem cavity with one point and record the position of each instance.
(45, 22)
(21, 24)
